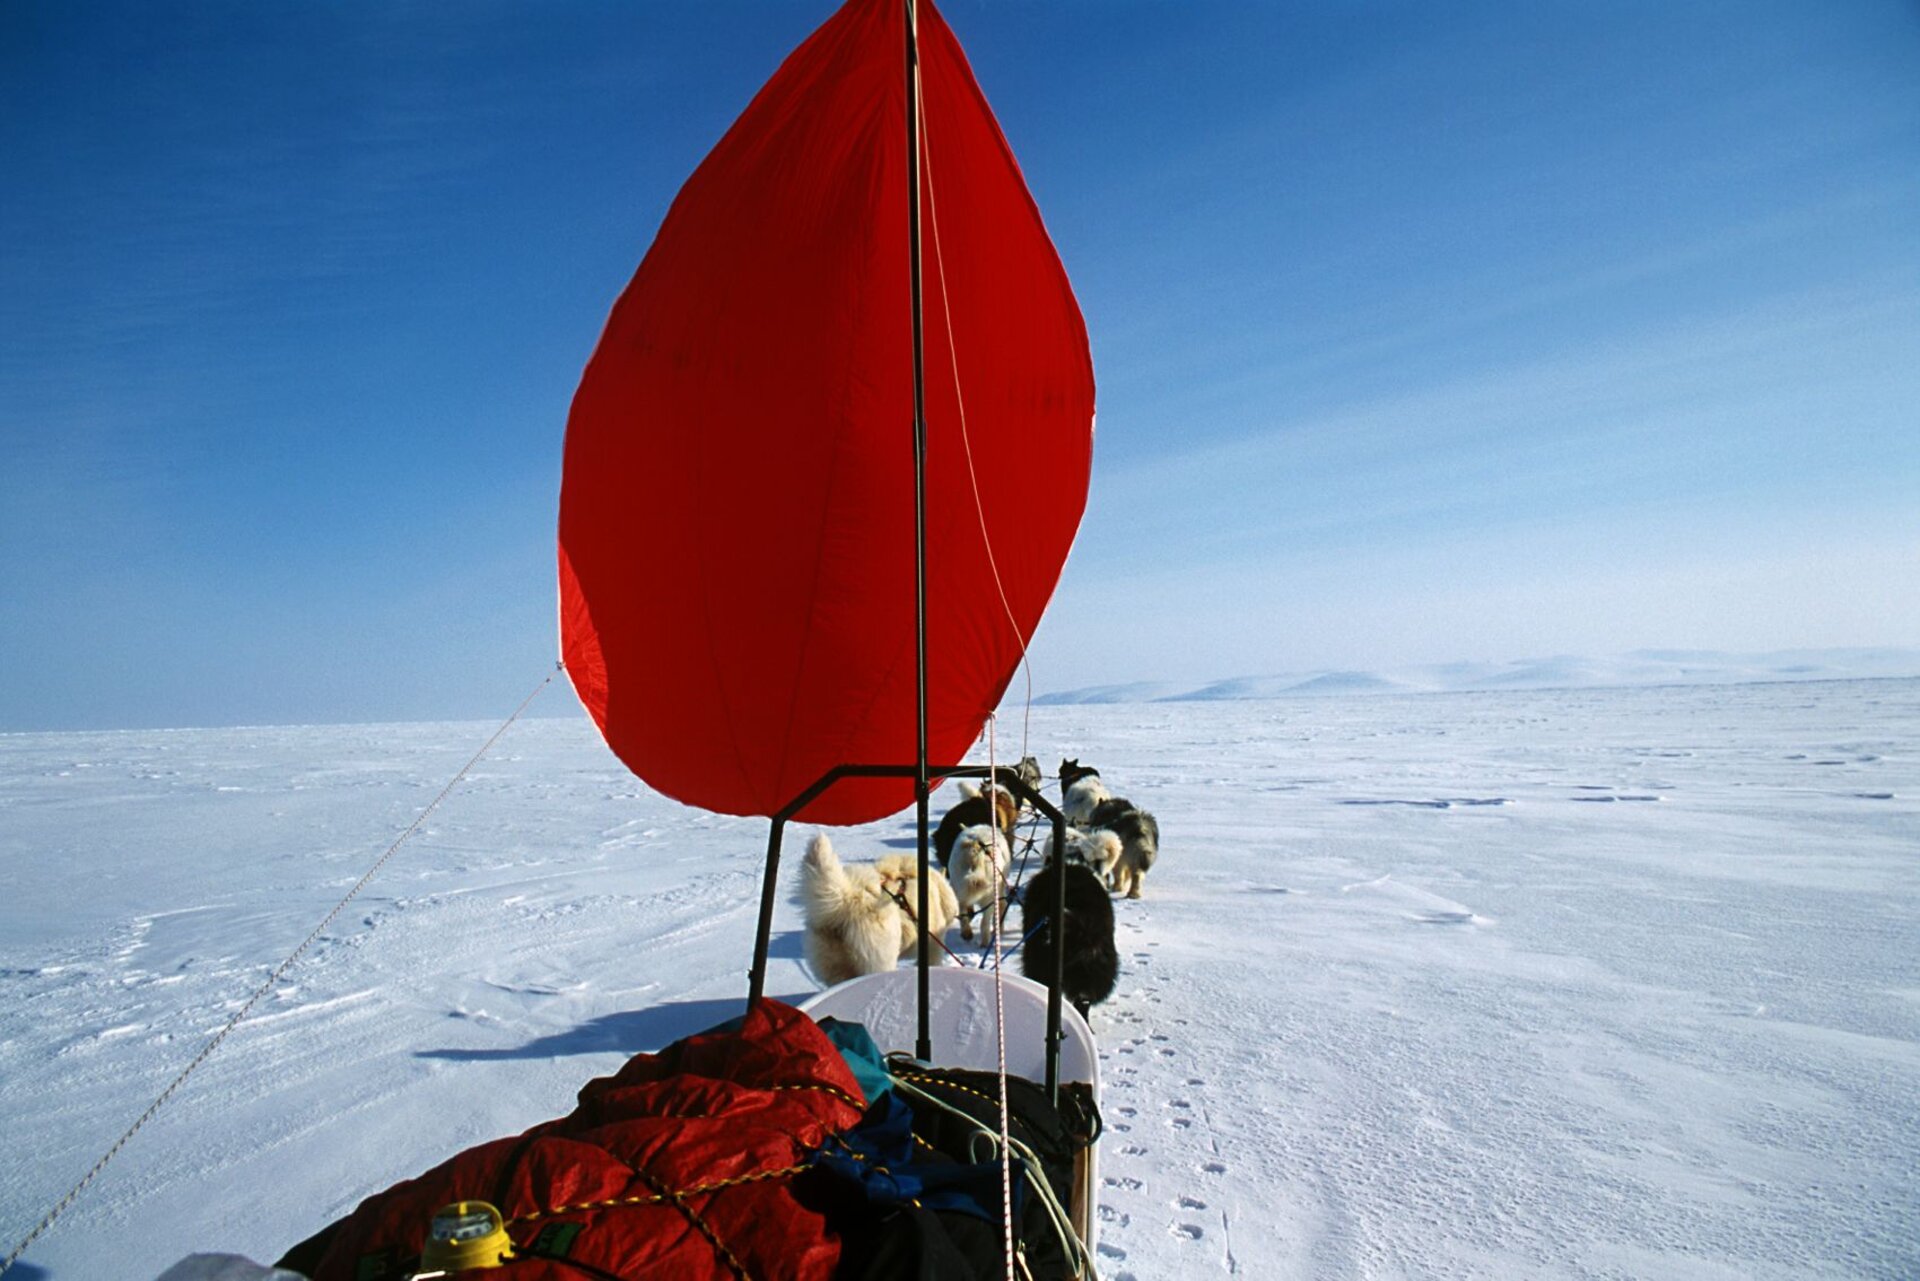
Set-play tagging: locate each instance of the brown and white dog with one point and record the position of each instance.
(971, 810)
(860, 918)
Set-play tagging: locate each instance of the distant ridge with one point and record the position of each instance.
(1137, 692)
(1244, 687)
(1559, 671)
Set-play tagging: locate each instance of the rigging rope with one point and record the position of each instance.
(1000, 1004)
(1026, 666)
(966, 442)
(272, 979)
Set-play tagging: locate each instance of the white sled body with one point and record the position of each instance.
(960, 1017)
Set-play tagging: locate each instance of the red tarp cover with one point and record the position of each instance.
(722, 1120)
(736, 513)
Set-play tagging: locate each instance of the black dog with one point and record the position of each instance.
(1092, 961)
(1071, 771)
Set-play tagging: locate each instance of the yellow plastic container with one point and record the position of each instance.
(466, 1236)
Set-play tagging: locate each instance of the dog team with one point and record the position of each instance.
(861, 917)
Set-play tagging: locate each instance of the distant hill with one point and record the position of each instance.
(1289, 686)
(1560, 671)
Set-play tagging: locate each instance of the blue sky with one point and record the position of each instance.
(1422, 332)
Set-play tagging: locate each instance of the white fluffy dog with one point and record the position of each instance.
(981, 858)
(1098, 850)
(1082, 791)
(855, 924)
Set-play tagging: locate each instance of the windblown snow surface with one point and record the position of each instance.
(1510, 984)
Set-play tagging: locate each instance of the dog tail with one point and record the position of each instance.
(1097, 850)
(968, 790)
(827, 894)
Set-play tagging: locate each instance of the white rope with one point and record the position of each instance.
(1000, 1001)
(1026, 665)
(966, 442)
(46, 1220)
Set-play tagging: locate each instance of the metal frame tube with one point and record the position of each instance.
(921, 786)
(1004, 779)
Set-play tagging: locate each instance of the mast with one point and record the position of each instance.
(923, 1045)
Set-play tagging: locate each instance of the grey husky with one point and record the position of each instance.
(1139, 834)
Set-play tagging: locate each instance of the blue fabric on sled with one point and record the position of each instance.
(864, 1060)
(878, 1156)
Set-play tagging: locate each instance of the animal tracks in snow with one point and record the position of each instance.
(1155, 1214)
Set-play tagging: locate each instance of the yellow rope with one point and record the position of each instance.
(657, 1198)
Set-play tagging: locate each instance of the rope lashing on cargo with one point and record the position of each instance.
(272, 980)
(1031, 1169)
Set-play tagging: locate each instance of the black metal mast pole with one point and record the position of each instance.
(923, 1044)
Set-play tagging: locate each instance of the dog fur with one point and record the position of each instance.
(1092, 961)
(969, 812)
(1080, 791)
(981, 857)
(1027, 771)
(1139, 834)
(1097, 850)
(854, 924)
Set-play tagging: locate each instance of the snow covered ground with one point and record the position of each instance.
(1515, 984)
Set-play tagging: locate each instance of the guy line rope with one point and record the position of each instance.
(272, 980)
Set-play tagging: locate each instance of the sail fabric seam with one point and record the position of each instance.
(272, 979)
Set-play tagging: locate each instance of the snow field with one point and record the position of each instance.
(1421, 987)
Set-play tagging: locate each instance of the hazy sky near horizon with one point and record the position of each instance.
(1422, 332)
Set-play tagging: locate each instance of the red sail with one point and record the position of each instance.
(736, 511)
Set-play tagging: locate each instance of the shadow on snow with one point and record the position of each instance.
(636, 1031)
(628, 1032)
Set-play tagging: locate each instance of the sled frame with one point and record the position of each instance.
(1003, 779)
